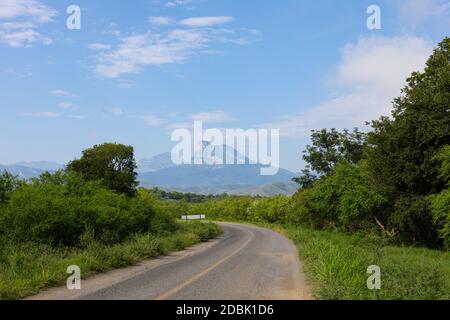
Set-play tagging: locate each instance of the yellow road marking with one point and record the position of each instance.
(204, 272)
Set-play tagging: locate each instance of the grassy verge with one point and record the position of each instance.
(337, 264)
(27, 268)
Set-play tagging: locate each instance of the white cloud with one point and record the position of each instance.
(10, 9)
(197, 22)
(212, 117)
(67, 105)
(41, 114)
(161, 21)
(99, 46)
(152, 121)
(371, 73)
(64, 93)
(153, 49)
(20, 21)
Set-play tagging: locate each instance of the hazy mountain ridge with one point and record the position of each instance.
(160, 171)
(28, 170)
(242, 179)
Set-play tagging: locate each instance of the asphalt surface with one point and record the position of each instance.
(244, 263)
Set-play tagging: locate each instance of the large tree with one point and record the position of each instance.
(403, 148)
(329, 147)
(112, 163)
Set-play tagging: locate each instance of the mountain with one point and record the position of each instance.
(159, 162)
(42, 165)
(240, 179)
(160, 171)
(22, 171)
(266, 190)
(27, 170)
(187, 176)
(164, 160)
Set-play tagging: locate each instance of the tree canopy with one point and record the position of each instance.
(112, 163)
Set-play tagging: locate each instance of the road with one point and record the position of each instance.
(244, 263)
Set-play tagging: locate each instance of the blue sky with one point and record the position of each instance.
(139, 69)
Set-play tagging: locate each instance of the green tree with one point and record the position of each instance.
(441, 202)
(306, 180)
(345, 198)
(8, 183)
(403, 148)
(112, 163)
(329, 147)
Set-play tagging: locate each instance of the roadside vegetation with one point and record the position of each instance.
(90, 215)
(365, 198)
(369, 198)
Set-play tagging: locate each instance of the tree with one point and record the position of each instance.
(440, 203)
(331, 147)
(306, 180)
(114, 164)
(8, 184)
(403, 148)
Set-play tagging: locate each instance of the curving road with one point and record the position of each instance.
(244, 263)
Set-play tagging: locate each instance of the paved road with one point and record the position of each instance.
(244, 263)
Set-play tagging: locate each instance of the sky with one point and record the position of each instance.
(137, 70)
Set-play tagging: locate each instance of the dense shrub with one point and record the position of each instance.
(8, 183)
(345, 198)
(275, 209)
(441, 202)
(59, 209)
(441, 215)
(412, 221)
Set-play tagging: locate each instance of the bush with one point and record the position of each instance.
(346, 198)
(275, 209)
(440, 203)
(441, 215)
(412, 221)
(8, 183)
(59, 209)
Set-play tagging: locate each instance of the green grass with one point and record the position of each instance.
(27, 268)
(336, 264)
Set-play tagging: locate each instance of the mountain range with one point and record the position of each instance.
(160, 171)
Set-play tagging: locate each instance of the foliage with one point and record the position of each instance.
(404, 147)
(306, 180)
(58, 209)
(441, 202)
(345, 198)
(337, 265)
(275, 209)
(331, 147)
(26, 268)
(179, 196)
(8, 184)
(412, 221)
(114, 164)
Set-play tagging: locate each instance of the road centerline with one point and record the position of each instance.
(206, 271)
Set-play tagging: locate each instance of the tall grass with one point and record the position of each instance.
(337, 265)
(26, 268)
